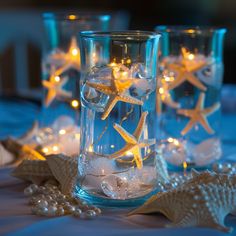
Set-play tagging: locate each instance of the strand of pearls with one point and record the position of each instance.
(48, 201)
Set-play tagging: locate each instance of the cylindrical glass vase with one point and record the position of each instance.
(188, 97)
(117, 162)
(60, 79)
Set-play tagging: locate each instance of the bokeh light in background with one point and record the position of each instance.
(22, 32)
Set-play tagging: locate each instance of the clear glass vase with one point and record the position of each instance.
(117, 162)
(188, 97)
(60, 114)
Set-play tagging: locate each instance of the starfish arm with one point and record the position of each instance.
(64, 93)
(195, 81)
(62, 69)
(200, 65)
(109, 106)
(122, 84)
(47, 84)
(129, 99)
(208, 111)
(50, 97)
(185, 112)
(124, 134)
(179, 79)
(188, 127)
(138, 157)
(147, 142)
(121, 152)
(58, 56)
(201, 100)
(138, 132)
(101, 88)
(204, 122)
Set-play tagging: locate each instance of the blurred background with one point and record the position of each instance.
(21, 30)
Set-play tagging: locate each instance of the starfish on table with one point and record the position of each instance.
(117, 90)
(164, 96)
(134, 142)
(185, 71)
(199, 115)
(54, 86)
(71, 59)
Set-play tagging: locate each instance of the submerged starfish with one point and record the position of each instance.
(164, 96)
(71, 59)
(199, 115)
(134, 144)
(185, 71)
(117, 90)
(54, 86)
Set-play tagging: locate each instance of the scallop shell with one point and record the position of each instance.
(65, 170)
(205, 200)
(35, 171)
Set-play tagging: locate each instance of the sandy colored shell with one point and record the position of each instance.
(205, 200)
(35, 171)
(65, 170)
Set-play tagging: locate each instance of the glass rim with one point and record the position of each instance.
(75, 16)
(126, 34)
(189, 29)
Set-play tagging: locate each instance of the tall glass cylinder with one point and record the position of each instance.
(117, 163)
(60, 78)
(188, 98)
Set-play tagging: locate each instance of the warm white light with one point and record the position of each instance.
(55, 148)
(74, 103)
(57, 78)
(112, 146)
(74, 52)
(170, 140)
(90, 148)
(161, 90)
(62, 131)
(176, 142)
(185, 165)
(191, 56)
(128, 153)
(45, 150)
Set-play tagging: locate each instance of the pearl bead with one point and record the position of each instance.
(97, 210)
(34, 187)
(77, 212)
(28, 191)
(90, 214)
(42, 211)
(70, 209)
(42, 203)
(52, 210)
(60, 211)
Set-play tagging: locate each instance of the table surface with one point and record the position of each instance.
(15, 215)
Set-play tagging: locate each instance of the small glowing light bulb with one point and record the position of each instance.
(90, 148)
(170, 140)
(128, 153)
(55, 148)
(74, 51)
(161, 90)
(176, 142)
(57, 78)
(185, 165)
(45, 150)
(112, 146)
(62, 131)
(74, 103)
(191, 56)
(72, 17)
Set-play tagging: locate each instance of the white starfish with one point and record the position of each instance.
(199, 115)
(54, 86)
(134, 142)
(185, 71)
(117, 90)
(71, 59)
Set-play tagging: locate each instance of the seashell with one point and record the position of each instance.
(205, 200)
(65, 170)
(36, 171)
(162, 172)
(6, 157)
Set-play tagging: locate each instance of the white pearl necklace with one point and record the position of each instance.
(48, 200)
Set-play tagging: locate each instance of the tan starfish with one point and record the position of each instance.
(54, 86)
(117, 90)
(185, 71)
(199, 115)
(164, 96)
(71, 59)
(134, 142)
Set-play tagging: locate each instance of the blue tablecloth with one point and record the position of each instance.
(15, 216)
